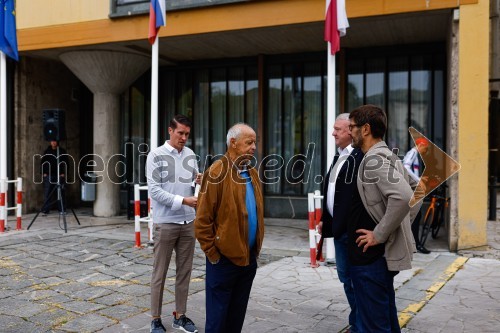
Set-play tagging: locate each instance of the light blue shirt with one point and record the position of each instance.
(251, 209)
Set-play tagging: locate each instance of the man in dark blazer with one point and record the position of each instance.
(338, 187)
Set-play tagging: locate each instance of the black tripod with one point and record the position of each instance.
(62, 209)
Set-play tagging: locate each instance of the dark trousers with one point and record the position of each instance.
(343, 271)
(227, 291)
(49, 185)
(415, 227)
(375, 297)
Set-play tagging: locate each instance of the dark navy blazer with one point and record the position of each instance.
(336, 225)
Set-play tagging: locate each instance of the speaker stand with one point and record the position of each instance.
(62, 209)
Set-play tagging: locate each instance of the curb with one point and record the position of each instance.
(412, 309)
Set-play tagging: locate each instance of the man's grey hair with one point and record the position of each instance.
(343, 116)
(235, 131)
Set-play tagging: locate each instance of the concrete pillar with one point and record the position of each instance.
(473, 49)
(495, 45)
(107, 74)
(452, 126)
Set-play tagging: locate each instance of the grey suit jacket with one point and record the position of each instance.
(386, 189)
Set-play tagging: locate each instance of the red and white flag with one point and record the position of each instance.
(336, 23)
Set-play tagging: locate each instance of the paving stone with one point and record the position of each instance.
(40, 273)
(53, 281)
(135, 290)
(288, 295)
(87, 323)
(81, 307)
(90, 293)
(20, 308)
(53, 317)
(87, 276)
(65, 268)
(115, 299)
(70, 287)
(16, 325)
(6, 293)
(120, 312)
(36, 295)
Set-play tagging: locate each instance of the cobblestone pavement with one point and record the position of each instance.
(92, 279)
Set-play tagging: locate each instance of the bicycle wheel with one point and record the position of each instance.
(437, 224)
(426, 227)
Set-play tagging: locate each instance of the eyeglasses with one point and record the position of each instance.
(351, 126)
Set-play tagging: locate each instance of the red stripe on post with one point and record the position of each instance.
(2, 207)
(137, 208)
(137, 239)
(311, 220)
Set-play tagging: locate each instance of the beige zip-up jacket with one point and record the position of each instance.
(386, 189)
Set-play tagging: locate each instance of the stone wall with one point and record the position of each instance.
(43, 84)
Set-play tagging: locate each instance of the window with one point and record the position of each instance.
(136, 7)
(408, 83)
(293, 127)
(215, 99)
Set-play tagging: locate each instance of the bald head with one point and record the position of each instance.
(235, 132)
(241, 142)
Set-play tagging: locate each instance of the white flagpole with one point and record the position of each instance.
(154, 95)
(330, 109)
(3, 116)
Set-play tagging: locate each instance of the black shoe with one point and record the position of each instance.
(184, 324)
(45, 212)
(157, 326)
(422, 249)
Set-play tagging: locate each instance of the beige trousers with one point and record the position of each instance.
(168, 237)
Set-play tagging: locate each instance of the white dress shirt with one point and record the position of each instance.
(334, 174)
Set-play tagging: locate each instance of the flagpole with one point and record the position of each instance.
(154, 94)
(330, 109)
(3, 116)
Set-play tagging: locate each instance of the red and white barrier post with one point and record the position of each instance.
(150, 220)
(330, 248)
(317, 215)
(19, 210)
(3, 208)
(138, 219)
(137, 215)
(312, 229)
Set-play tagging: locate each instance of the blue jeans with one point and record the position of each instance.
(341, 258)
(227, 291)
(375, 297)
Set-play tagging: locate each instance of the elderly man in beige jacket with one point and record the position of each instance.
(379, 232)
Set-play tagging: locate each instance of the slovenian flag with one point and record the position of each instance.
(157, 18)
(8, 37)
(336, 23)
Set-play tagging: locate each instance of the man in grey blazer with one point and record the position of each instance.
(379, 233)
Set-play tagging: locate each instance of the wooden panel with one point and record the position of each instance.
(36, 13)
(213, 19)
(363, 8)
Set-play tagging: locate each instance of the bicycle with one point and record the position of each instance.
(434, 216)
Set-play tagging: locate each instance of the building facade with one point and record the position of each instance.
(262, 62)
